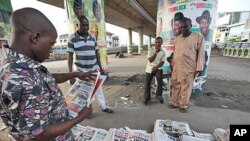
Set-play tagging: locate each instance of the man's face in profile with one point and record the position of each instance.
(204, 25)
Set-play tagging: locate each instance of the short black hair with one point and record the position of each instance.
(157, 38)
(82, 17)
(30, 19)
(185, 19)
(78, 3)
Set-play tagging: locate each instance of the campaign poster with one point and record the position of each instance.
(5, 12)
(94, 11)
(203, 16)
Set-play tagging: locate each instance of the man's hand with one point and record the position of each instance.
(84, 113)
(197, 73)
(154, 70)
(102, 71)
(87, 76)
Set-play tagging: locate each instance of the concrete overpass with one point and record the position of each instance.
(134, 15)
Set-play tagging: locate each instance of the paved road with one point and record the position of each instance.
(229, 68)
(221, 68)
(201, 119)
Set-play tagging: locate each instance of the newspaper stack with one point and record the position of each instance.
(82, 94)
(128, 135)
(2, 125)
(168, 130)
(82, 133)
(198, 137)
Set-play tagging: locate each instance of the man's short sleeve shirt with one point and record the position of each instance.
(30, 98)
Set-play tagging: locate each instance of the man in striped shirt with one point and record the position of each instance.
(87, 57)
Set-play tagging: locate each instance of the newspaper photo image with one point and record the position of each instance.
(87, 134)
(82, 94)
(132, 135)
(100, 135)
(168, 130)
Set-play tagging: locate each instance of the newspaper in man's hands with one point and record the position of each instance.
(82, 94)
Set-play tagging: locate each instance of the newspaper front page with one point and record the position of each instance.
(133, 135)
(165, 129)
(82, 94)
(100, 135)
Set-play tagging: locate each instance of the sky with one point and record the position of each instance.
(59, 19)
(58, 16)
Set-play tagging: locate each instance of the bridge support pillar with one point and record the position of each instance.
(129, 47)
(140, 35)
(149, 42)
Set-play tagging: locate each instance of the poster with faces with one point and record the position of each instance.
(202, 14)
(94, 11)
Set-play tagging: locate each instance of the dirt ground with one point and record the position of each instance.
(225, 94)
(217, 93)
(221, 94)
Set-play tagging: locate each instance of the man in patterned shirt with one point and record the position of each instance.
(31, 103)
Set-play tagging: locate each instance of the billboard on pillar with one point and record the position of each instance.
(94, 11)
(5, 12)
(203, 16)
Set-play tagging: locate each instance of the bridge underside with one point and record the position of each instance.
(122, 14)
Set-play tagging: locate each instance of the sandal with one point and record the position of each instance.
(183, 110)
(172, 106)
(107, 110)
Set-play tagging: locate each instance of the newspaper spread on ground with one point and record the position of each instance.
(87, 133)
(2, 125)
(130, 135)
(110, 134)
(77, 130)
(82, 94)
(100, 135)
(206, 136)
(163, 136)
(168, 130)
(191, 138)
(164, 130)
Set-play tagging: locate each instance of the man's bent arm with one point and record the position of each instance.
(200, 55)
(152, 58)
(70, 61)
(62, 77)
(160, 65)
(98, 58)
(57, 129)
